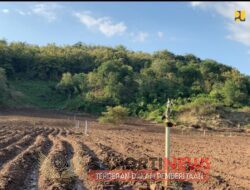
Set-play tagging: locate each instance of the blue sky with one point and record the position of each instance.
(205, 29)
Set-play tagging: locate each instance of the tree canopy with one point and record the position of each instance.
(99, 75)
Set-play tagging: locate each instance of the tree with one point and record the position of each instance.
(3, 85)
(80, 83)
(5, 58)
(191, 79)
(66, 84)
(113, 82)
(105, 76)
(154, 87)
(233, 94)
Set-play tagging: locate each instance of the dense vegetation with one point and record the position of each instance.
(3, 86)
(114, 115)
(89, 78)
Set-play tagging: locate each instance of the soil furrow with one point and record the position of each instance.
(13, 174)
(55, 132)
(56, 171)
(87, 159)
(83, 160)
(6, 142)
(14, 149)
(117, 161)
(5, 132)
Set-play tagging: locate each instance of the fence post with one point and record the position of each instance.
(77, 124)
(168, 125)
(86, 128)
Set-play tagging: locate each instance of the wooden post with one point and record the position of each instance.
(86, 128)
(168, 124)
(167, 153)
(204, 133)
(238, 126)
(77, 124)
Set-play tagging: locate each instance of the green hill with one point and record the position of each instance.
(90, 78)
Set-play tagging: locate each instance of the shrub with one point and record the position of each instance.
(201, 106)
(247, 126)
(155, 115)
(244, 109)
(115, 115)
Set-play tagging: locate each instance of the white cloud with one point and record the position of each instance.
(239, 32)
(46, 10)
(23, 13)
(196, 3)
(5, 11)
(139, 37)
(103, 24)
(160, 34)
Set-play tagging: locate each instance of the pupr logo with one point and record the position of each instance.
(240, 16)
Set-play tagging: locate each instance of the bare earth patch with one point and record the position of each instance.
(55, 135)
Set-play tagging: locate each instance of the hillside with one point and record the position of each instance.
(89, 78)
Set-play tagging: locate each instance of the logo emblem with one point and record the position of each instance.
(240, 16)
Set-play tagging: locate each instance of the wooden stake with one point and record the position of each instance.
(167, 152)
(86, 127)
(167, 141)
(77, 124)
(204, 133)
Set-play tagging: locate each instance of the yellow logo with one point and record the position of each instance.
(240, 16)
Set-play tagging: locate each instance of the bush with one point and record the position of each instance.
(155, 115)
(244, 109)
(201, 106)
(115, 115)
(247, 126)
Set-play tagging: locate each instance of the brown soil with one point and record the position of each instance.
(45, 150)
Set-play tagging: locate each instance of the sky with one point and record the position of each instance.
(206, 29)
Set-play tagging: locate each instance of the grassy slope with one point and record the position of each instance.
(40, 94)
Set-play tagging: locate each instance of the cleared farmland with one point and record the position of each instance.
(31, 143)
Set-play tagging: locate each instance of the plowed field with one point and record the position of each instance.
(47, 151)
